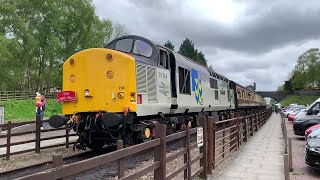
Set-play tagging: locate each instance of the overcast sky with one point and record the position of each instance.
(247, 41)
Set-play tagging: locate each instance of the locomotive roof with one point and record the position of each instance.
(154, 44)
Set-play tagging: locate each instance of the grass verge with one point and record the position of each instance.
(24, 110)
(304, 100)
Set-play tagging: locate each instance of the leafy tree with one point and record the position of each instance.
(169, 45)
(37, 36)
(187, 49)
(307, 71)
(117, 30)
(287, 86)
(280, 88)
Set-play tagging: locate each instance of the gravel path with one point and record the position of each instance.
(300, 169)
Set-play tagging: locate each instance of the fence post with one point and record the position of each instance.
(120, 161)
(251, 124)
(214, 145)
(223, 136)
(257, 120)
(290, 154)
(67, 137)
(37, 149)
(186, 143)
(286, 166)
(160, 152)
(285, 140)
(203, 149)
(245, 128)
(238, 130)
(8, 140)
(210, 143)
(188, 154)
(57, 160)
(233, 130)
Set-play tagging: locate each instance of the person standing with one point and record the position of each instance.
(40, 107)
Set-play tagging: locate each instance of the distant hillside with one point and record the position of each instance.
(304, 100)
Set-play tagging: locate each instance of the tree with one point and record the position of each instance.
(280, 88)
(211, 67)
(287, 86)
(37, 36)
(306, 72)
(169, 45)
(118, 30)
(187, 49)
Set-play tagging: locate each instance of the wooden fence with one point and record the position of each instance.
(23, 95)
(221, 138)
(37, 132)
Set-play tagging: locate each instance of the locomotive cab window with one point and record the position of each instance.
(124, 45)
(142, 48)
(184, 81)
(164, 59)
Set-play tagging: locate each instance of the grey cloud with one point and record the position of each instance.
(261, 45)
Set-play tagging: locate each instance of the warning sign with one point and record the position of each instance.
(200, 136)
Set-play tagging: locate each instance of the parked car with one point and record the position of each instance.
(294, 113)
(312, 118)
(311, 129)
(295, 108)
(301, 124)
(314, 135)
(312, 158)
(302, 113)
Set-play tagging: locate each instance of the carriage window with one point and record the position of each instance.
(142, 48)
(184, 81)
(124, 45)
(164, 61)
(213, 83)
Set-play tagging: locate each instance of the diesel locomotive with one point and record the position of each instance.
(121, 91)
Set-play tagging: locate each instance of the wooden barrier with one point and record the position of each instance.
(160, 158)
(37, 139)
(208, 153)
(24, 95)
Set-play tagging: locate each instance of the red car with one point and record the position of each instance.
(310, 129)
(291, 117)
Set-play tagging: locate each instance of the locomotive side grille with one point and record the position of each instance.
(152, 84)
(141, 78)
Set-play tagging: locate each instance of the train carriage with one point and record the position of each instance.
(120, 91)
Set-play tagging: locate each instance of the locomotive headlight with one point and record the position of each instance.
(86, 92)
(72, 62)
(72, 78)
(121, 95)
(110, 74)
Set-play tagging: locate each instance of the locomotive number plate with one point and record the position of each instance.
(66, 96)
(200, 136)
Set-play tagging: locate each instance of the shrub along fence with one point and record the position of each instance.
(219, 140)
(37, 140)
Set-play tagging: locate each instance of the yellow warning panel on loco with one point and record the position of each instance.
(100, 80)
